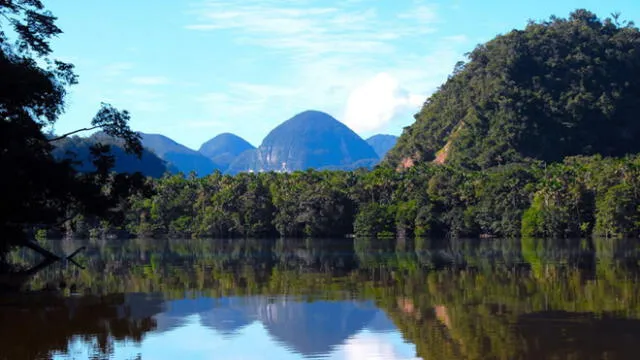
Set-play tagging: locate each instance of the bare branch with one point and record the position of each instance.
(73, 132)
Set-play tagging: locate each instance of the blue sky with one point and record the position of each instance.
(195, 342)
(192, 69)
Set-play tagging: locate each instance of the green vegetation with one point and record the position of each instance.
(558, 88)
(35, 188)
(503, 128)
(580, 197)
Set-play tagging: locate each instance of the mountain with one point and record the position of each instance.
(558, 88)
(225, 148)
(382, 143)
(77, 148)
(308, 327)
(247, 161)
(314, 329)
(181, 157)
(311, 139)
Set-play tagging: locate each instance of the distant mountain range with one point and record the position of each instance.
(77, 149)
(224, 149)
(181, 157)
(382, 143)
(310, 328)
(311, 139)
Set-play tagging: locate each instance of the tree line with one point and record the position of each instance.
(579, 197)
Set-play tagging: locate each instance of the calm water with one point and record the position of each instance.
(327, 299)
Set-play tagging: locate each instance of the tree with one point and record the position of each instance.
(557, 88)
(36, 189)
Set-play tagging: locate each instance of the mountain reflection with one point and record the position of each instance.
(308, 328)
(338, 299)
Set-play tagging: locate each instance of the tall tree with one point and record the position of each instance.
(35, 189)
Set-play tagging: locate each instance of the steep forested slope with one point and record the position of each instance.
(557, 88)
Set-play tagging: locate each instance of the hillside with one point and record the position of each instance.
(77, 148)
(311, 139)
(224, 149)
(557, 88)
(382, 143)
(181, 157)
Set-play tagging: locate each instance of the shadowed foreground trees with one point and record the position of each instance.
(35, 189)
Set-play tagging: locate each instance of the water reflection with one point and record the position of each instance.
(331, 299)
(312, 329)
(34, 326)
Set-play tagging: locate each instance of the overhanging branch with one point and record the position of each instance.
(73, 132)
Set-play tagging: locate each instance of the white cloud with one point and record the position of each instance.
(423, 14)
(149, 80)
(368, 346)
(461, 38)
(329, 54)
(374, 104)
(311, 30)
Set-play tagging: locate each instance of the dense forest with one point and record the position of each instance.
(534, 136)
(557, 88)
(579, 197)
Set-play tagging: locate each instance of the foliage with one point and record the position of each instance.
(37, 189)
(558, 88)
(580, 197)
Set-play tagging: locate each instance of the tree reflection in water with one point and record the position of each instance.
(454, 299)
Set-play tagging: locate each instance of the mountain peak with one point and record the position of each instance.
(382, 143)
(224, 148)
(310, 139)
(178, 155)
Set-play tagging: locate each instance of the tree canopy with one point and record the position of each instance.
(558, 88)
(35, 188)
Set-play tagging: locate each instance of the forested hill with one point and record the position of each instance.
(557, 88)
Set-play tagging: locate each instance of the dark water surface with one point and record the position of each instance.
(327, 299)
